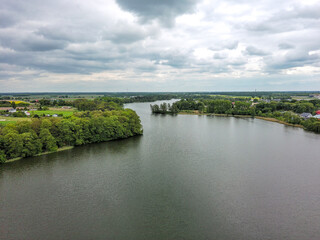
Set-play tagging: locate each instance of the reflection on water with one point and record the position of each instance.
(187, 177)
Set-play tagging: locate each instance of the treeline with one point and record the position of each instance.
(29, 138)
(97, 104)
(283, 111)
(53, 103)
(149, 98)
(113, 103)
(142, 98)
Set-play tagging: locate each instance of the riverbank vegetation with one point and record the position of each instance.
(283, 111)
(42, 134)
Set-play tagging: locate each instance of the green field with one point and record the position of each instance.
(12, 120)
(65, 113)
(6, 122)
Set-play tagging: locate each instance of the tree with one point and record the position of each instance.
(201, 107)
(163, 107)
(13, 145)
(174, 108)
(155, 108)
(3, 157)
(31, 144)
(47, 140)
(13, 105)
(66, 132)
(242, 108)
(219, 106)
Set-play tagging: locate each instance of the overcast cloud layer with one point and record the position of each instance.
(152, 45)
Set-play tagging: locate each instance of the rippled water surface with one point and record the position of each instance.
(187, 177)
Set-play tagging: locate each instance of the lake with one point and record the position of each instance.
(187, 177)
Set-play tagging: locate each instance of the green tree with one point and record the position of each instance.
(3, 157)
(13, 145)
(47, 140)
(219, 106)
(163, 107)
(13, 105)
(31, 144)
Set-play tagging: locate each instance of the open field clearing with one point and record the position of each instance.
(64, 112)
(6, 120)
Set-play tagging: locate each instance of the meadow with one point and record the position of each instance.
(65, 113)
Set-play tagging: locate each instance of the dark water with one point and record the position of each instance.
(187, 177)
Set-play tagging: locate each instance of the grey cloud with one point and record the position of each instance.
(126, 33)
(126, 37)
(283, 20)
(85, 37)
(26, 41)
(165, 10)
(67, 33)
(225, 45)
(42, 44)
(250, 50)
(219, 56)
(298, 12)
(231, 45)
(292, 59)
(285, 46)
(237, 62)
(8, 18)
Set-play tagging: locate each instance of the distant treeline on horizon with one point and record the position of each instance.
(174, 94)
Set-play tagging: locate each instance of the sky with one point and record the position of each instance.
(159, 45)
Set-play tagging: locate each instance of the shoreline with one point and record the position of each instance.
(215, 114)
(40, 154)
(244, 116)
(60, 150)
(278, 121)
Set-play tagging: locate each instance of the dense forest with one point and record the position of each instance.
(104, 122)
(285, 111)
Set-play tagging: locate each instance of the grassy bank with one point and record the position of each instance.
(44, 153)
(278, 121)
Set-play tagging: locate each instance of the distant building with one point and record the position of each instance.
(54, 115)
(317, 117)
(27, 113)
(12, 110)
(306, 115)
(318, 112)
(48, 115)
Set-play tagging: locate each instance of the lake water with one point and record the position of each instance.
(187, 177)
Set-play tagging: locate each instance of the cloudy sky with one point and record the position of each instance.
(159, 45)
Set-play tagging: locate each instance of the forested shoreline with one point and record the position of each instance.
(107, 122)
(283, 111)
